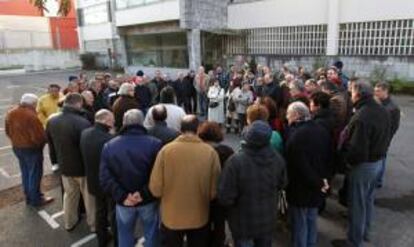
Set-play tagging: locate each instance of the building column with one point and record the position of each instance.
(333, 28)
(121, 51)
(194, 48)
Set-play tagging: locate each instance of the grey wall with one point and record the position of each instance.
(203, 14)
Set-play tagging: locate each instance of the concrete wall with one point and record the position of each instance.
(156, 12)
(203, 14)
(96, 32)
(36, 60)
(272, 13)
(363, 67)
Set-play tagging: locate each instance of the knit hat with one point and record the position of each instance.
(258, 134)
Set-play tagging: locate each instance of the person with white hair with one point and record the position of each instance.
(126, 165)
(308, 157)
(125, 102)
(28, 138)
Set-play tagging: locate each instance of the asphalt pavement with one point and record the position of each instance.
(24, 226)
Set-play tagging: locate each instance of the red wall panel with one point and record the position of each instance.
(64, 33)
(18, 7)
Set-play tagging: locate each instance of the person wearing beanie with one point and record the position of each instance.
(28, 138)
(308, 158)
(249, 187)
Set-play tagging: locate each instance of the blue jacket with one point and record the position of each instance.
(126, 163)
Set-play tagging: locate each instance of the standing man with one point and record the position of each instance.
(28, 138)
(160, 130)
(221, 76)
(91, 143)
(48, 103)
(184, 178)
(159, 82)
(249, 187)
(201, 84)
(308, 158)
(382, 94)
(126, 165)
(64, 133)
(365, 148)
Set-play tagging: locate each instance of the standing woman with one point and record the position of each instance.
(243, 100)
(216, 105)
(231, 115)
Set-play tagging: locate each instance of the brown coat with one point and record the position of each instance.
(122, 105)
(24, 128)
(185, 176)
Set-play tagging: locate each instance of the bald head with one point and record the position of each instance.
(189, 124)
(105, 117)
(159, 113)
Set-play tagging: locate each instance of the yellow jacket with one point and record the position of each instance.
(46, 106)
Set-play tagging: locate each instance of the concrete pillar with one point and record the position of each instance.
(333, 28)
(194, 48)
(121, 51)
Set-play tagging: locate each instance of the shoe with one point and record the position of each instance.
(44, 201)
(341, 243)
(55, 167)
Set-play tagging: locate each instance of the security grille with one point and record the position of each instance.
(381, 38)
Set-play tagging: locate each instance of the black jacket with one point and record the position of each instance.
(395, 114)
(249, 186)
(274, 91)
(92, 141)
(368, 133)
(188, 87)
(64, 131)
(308, 157)
(325, 118)
(143, 96)
(162, 132)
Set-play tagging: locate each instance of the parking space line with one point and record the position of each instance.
(56, 215)
(84, 240)
(49, 220)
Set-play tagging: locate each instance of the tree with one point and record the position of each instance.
(64, 6)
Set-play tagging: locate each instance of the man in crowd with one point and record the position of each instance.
(174, 112)
(110, 93)
(48, 103)
(190, 94)
(159, 82)
(365, 148)
(272, 89)
(201, 84)
(96, 87)
(143, 94)
(28, 138)
(178, 86)
(382, 94)
(160, 129)
(88, 105)
(91, 143)
(221, 76)
(339, 65)
(249, 187)
(126, 165)
(184, 178)
(64, 133)
(73, 86)
(308, 161)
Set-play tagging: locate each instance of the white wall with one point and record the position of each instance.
(157, 12)
(86, 3)
(362, 10)
(96, 32)
(271, 13)
(24, 32)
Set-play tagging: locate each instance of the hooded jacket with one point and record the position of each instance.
(250, 183)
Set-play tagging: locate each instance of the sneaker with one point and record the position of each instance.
(341, 243)
(55, 167)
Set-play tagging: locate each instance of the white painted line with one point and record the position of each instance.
(4, 173)
(5, 148)
(84, 240)
(49, 220)
(58, 214)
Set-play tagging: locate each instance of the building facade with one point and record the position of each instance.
(183, 34)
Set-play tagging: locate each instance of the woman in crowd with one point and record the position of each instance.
(231, 115)
(242, 101)
(125, 102)
(216, 104)
(210, 132)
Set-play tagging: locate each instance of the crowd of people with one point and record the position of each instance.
(131, 149)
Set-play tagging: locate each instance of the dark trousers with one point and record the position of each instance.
(195, 237)
(218, 225)
(31, 168)
(242, 121)
(187, 105)
(193, 101)
(105, 209)
(254, 242)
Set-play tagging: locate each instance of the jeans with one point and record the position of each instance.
(380, 181)
(362, 182)
(195, 237)
(202, 103)
(126, 218)
(31, 168)
(256, 242)
(304, 228)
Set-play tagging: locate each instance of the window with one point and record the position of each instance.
(380, 38)
(158, 50)
(96, 14)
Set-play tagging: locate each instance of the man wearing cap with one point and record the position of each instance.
(28, 138)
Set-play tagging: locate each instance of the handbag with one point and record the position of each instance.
(231, 106)
(282, 203)
(213, 104)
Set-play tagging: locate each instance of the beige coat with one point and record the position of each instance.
(185, 177)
